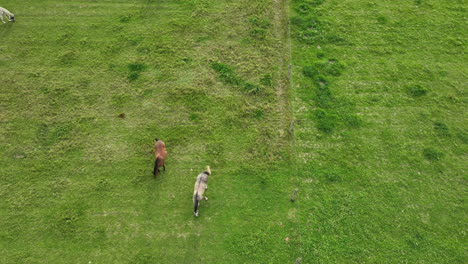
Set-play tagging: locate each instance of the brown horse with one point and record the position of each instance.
(160, 154)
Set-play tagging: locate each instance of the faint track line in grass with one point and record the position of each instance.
(284, 93)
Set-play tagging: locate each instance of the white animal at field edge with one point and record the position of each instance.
(4, 12)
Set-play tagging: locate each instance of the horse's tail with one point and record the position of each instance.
(156, 167)
(195, 204)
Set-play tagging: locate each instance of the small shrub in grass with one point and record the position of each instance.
(382, 20)
(321, 54)
(307, 26)
(133, 76)
(229, 76)
(258, 114)
(310, 71)
(441, 129)
(323, 68)
(334, 67)
(326, 68)
(303, 8)
(352, 120)
(258, 33)
(63, 130)
(416, 90)
(326, 122)
(321, 81)
(306, 22)
(259, 27)
(125, 19)
(226, 73)
(323, 97)
(432, 154)
(137, 67)
(194, 117)
(135, 70)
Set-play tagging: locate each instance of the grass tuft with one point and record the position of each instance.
(133, 76)
(433, 154)
(353, 121)
(416, 90)
(441, 129)
(323, 97)
(323, 68)
(125, 18)
(137, 67)
(382, 20)
(326, 121)
(227, 75)
(135, 70)
(259, 27)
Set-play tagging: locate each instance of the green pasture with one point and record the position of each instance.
(380, 139)
(357, 104)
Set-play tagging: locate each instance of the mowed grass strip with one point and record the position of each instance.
(380, 136)
(85, 88)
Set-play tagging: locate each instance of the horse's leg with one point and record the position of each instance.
(156, 169)
(164, 167)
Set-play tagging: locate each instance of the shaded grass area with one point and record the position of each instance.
(90, 84)
(380, 139)
(229, 76)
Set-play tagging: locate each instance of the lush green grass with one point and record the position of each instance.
(380, 92)
(76, 184)
(377, 151)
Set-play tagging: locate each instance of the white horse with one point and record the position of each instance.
(4, 12)
(200, 186)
